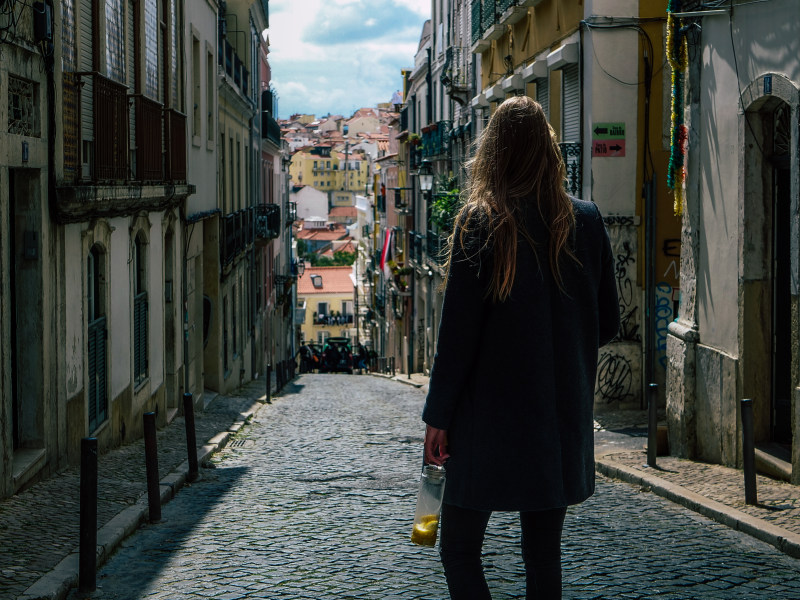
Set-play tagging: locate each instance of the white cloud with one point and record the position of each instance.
(327, 69)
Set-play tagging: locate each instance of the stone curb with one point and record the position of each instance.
(785, 541)
(399, 379)
(56, 584)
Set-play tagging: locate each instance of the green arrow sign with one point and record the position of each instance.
(608, 131)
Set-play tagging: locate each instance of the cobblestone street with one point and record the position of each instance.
(315, 498)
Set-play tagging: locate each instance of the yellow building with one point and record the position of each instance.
(327, 295)
(328, 171)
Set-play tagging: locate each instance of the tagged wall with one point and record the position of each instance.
(619, 380)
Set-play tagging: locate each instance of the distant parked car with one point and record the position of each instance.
(337, 355)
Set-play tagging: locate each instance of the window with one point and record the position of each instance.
(115, 40)
(23, 101)
(139, 310)
(196, 111)
(151, 48)
(211, 87)
(96, 340)
(322, 307)
(233, 319)
(225, 363)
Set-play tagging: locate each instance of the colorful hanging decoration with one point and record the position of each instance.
(678, 56)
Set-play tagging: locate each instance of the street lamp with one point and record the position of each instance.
(425, 174)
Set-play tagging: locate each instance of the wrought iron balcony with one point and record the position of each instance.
(111, 122)
(175, 128)
(571, 152)
(291, 213)
(268, 221)
(437, 248)
(436, 139)
(149, 139)
(456, 72)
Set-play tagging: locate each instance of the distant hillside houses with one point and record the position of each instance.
(334, 153)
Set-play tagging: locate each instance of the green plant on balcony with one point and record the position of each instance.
(445, 203)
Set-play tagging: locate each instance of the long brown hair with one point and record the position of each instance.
(517, 161)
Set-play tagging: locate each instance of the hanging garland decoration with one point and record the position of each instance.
(678, 56)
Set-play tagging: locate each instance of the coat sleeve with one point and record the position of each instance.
(459, 338)
(607, 301)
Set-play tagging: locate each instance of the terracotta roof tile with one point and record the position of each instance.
(335, 280)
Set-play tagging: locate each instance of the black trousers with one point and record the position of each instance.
(460, 546)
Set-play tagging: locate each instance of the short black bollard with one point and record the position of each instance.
(269, 384)
(749, 453)
(87, 568)
(652, 424)
(191, 438)
(151, 462)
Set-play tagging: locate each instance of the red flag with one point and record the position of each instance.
(386, 252)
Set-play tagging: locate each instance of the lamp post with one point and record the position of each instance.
(425, 175)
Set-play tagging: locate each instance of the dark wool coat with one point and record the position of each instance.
(513, 382)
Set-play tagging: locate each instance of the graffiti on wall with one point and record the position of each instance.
(614, 378)
(625, 271)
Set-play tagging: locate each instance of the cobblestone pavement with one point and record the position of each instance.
(39, 526)
(778, 501)
(314, 500)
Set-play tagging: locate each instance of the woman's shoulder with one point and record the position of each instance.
(584, 208)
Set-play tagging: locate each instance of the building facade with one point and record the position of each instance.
(737, 332)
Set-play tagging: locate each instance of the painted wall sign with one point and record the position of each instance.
(608, 131)
(608, 148)
(608, 140)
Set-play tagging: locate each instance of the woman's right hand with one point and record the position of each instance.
(435, 445)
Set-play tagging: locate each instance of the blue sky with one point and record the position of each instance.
(335, 56)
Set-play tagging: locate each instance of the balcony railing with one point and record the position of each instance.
(291, 213)
(477, 29)
(149, 139)
(71, 111)
(435, 139)
(571, 153)
(268, 221)
(233, 65)
(111, 120)
(456, 71)
(270, 130)
(175, 127)
(333, 320)
(237, 231)
(437, 248)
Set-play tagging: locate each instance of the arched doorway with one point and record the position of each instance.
(766, 332)
(781, 384)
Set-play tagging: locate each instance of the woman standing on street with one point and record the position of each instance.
(530, 296)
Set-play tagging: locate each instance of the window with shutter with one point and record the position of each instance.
(96, 343)
(571, 104)
(543, 95)
(140, 309)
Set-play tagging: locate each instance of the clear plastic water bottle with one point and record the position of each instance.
(429, 505)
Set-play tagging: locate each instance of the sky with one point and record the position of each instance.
(336, 56)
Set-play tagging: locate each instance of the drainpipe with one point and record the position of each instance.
(650, 290)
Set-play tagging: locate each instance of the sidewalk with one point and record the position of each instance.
(716, 492)
(39, 528)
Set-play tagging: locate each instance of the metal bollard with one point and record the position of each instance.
(191, 439)
(652, 424)
(393, 367)
(151, 462)
(269, 383)
(749, 453)
(87, 568)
